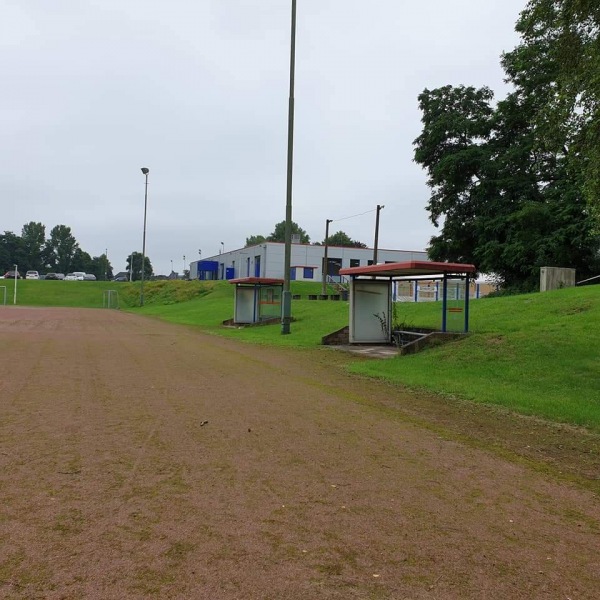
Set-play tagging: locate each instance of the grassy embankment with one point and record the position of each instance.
(536, 354)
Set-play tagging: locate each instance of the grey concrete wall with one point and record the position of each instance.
(553, 278)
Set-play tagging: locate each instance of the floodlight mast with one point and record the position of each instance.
(286, 312)
(145, 171)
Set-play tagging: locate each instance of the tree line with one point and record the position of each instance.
(339, 238)
(515, 183)
(60, 252)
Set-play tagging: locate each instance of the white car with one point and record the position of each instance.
(32, 275)
(71, 277)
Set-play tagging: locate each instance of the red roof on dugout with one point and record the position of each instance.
(257, 281)
(413, 267)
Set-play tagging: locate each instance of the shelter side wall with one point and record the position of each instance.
(370, 312)
(244, 305)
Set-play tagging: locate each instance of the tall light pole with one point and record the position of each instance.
(326, 258)
(286, 313)
(16, 277)
(145, 171)
(379, 207)
(183, 272)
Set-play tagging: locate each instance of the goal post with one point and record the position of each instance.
(110, 299)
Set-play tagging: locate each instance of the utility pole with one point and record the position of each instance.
(379, 207)
(326, 258)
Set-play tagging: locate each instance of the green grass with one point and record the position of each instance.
(536, 354)
(56, 293)
(89, 294)
(312, 319)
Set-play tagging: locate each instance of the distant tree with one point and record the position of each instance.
(12, 251)
(278, 234)
(34, 238)
(82, 261)
(60, 249)
(101, 268)
(343, 239)
(254, 240)
(135, 258)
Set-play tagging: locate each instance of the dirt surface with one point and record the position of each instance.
(144, 460)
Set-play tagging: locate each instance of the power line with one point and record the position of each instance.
(352, 216)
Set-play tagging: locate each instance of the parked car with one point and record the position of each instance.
(32, 275)
(120, 278)
(12, 275)
(60, 276)
(89, 277)
(80, 275)
(71, 277)
(53, 276)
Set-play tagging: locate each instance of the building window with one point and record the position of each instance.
(309, 272)
(369, 262)
(354, 262)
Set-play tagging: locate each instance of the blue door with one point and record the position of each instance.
(256, 266)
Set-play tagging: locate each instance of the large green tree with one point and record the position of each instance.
(508, 180)
(101, 268)
(60, 249)
(135, 258)
(82, 261)
(341, 238)
(34, 238)
(254, 240)
(278, 234)
(12, 252)
(556, 67)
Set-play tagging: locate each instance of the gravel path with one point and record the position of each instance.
(144, 460)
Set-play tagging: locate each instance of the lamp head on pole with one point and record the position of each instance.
(145, 171)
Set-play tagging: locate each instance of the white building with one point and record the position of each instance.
(267, 260)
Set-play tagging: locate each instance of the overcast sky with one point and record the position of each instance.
(197, 91)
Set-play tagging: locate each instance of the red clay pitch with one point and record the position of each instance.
(145, 460)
